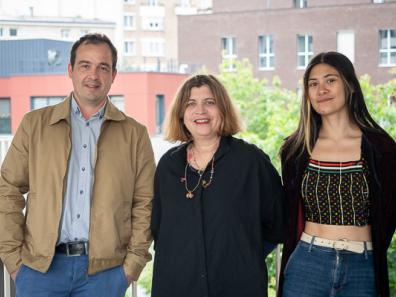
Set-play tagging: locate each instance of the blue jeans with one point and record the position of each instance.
(314, 271)
(67, 277)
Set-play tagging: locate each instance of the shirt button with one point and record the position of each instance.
(75, 238)
(81, 192)
(83, 168)
(84, 146)
(203, 275)
(87, 124)
(78, 216)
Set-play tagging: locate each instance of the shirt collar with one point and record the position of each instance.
(61, 111)
(75, 109)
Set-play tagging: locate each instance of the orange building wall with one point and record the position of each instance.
(139, 91)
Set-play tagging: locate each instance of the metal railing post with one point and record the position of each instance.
(134, 289)
(7, 283)
(278, 265)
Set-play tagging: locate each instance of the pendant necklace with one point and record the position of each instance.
(205, 184)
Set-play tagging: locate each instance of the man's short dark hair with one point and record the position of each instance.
(94, 38)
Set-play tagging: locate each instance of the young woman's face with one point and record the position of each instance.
(326, 90)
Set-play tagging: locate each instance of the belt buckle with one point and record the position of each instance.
(76, 254)
(68, 252)
(340, 244)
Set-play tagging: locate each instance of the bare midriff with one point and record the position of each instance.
(336, 232)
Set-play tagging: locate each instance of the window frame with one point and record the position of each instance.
(268, 54)
(118, 101)
(388, 50)
(7, 117)
(129, 25)
(153, 47)
(229, 55)
(130, 53)
(300, 3)
(160, 111)
(47, 99)
(11, 30)
(306, 53)
(152, 3)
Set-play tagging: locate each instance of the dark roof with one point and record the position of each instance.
(29, 56)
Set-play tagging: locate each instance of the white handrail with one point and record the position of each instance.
(134, 289)
(7, 284)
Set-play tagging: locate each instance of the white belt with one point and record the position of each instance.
(341, 244)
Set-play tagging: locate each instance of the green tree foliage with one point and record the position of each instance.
(269, 113)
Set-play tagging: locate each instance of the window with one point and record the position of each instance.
(1, 32)
(153, 23)
(266, 53)
(159, 113)
(387, 47)
(65, 33)
(129, 1)
(304, 50)
(300, 3)
(13, 32)
(129, 21)
(378, 1)
(229, 51)
(185, 3)
(118, 101)
(40, 102)
(152, 2)
(129, 47)
(153, 47)
(5, 116)
(346, 44)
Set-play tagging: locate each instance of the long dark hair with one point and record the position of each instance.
(306, 134)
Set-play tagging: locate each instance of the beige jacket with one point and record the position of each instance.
(37, 163)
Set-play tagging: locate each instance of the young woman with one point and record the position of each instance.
(218, 201)
(339, 171)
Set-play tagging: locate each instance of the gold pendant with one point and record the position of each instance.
(189, 195)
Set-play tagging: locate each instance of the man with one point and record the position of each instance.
(88, 171)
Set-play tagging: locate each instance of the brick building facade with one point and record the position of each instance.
(279, 37)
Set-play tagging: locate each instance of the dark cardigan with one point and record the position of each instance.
(379, 149)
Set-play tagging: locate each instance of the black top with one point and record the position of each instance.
(213, 244)
(379, 150)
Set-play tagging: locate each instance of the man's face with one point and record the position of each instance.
(92, 73)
